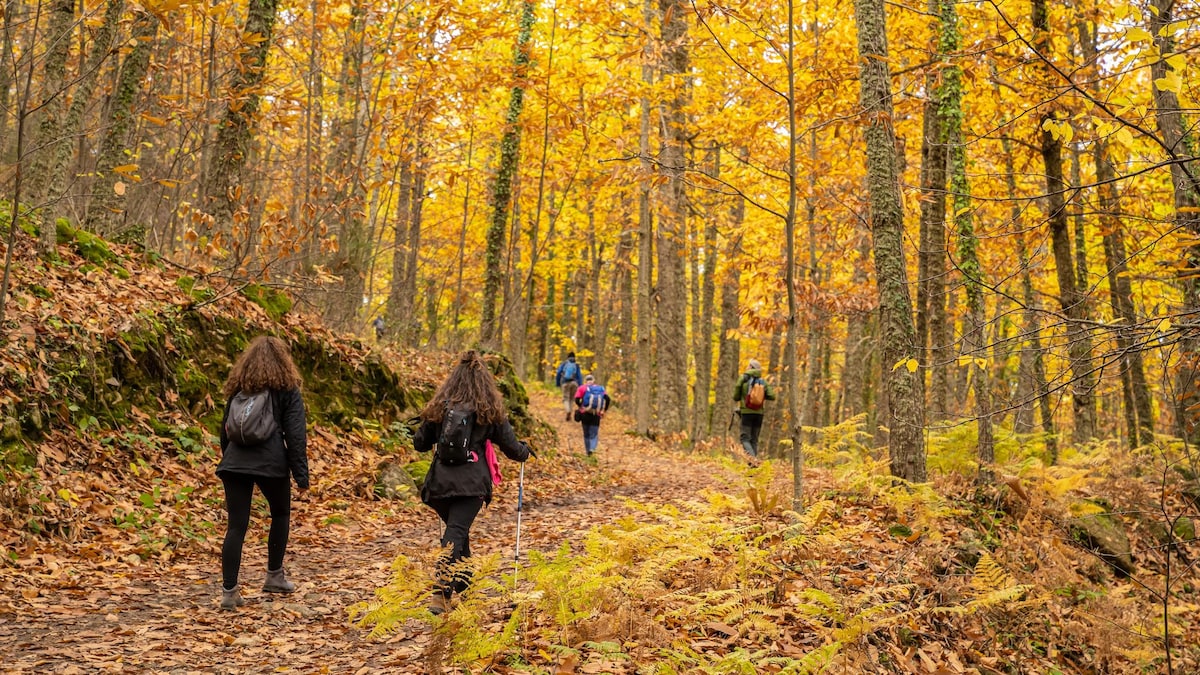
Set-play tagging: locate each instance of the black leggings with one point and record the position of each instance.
(239, 488)
(457, 513)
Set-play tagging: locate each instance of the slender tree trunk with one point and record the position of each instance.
(106, 209)
(792, 383)
(1071, 298)
(462, 233)
(510, 147)
(776, 367)
(400, 303)
(411, 330)
(729, 346)
(224, 183)
(350, 260)
(1139, 415)
(974, 337)
(49, 134)
(1176, 132)
(932, 324)
(8, 75)
(624, 261)
(643, 390)
(906, 420)
(672, 399)
(859, 346)
(702, 324)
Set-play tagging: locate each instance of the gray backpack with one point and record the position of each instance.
(251, 420)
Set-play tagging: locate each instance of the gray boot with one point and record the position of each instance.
(277, 582)
(231, 599)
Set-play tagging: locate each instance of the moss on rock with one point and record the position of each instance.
(275, 303)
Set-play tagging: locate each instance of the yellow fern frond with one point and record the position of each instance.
(990, 576)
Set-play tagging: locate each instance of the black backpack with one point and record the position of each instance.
(251, 421)
(454, 442)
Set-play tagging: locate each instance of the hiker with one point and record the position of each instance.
(592, 401)
(262, 442)
(568, 377)
(377, 324)
(464, 413)
(751, 391)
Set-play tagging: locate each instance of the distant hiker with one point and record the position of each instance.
(466, 411)
(377, 324)
(592, 401)
(262, 442)
(752, 392)
(568, 377)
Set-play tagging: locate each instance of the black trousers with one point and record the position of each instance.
(751, 426)
(239, 489)
(458, 513)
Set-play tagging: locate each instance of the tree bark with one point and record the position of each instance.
(349, 262)
(1138, 406)
(671, 317)
(224, 182)
(643, 387)
(50, 134)
(1176, 134)
(8, 76)
(106, 209)
(974, 341)
(702, 325)
(931, 326)
(510, 148)
(1071, 299)
(906, 419)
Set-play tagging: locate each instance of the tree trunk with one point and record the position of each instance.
(224, 181)
(400, 303)
(1139, 413)
(643, 388)
(411, 328)
(1176, 134)
(672, 399)
(8, 76)
(931, 258)
(702, 325)
(350, 261)
(510, 147)
(106, 209)
(49, 134)
(859, 347)
(974, 341)
(906, 420)
(729, 345)
(1071, 299)
(624, 261)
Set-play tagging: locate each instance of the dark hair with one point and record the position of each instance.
(266, 364)
(570, 355)
(470, 385)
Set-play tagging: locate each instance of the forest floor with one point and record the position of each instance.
(119, 616)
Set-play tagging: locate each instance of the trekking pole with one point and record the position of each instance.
(520, 501)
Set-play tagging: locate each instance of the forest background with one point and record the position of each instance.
(666, 189)
(962, 235)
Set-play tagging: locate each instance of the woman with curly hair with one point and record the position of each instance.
(465, 413)
(263, 455)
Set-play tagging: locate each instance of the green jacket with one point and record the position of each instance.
(742, 388)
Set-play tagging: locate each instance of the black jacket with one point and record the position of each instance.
(472, 479)
(286, 452)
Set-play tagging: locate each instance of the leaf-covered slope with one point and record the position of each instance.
(110, 378)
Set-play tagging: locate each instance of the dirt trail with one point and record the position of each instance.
(164, 619)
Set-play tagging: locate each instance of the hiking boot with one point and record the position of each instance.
(438, 604)
(231, 599)
(277, 582)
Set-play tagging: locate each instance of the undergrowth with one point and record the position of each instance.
(875, 576)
